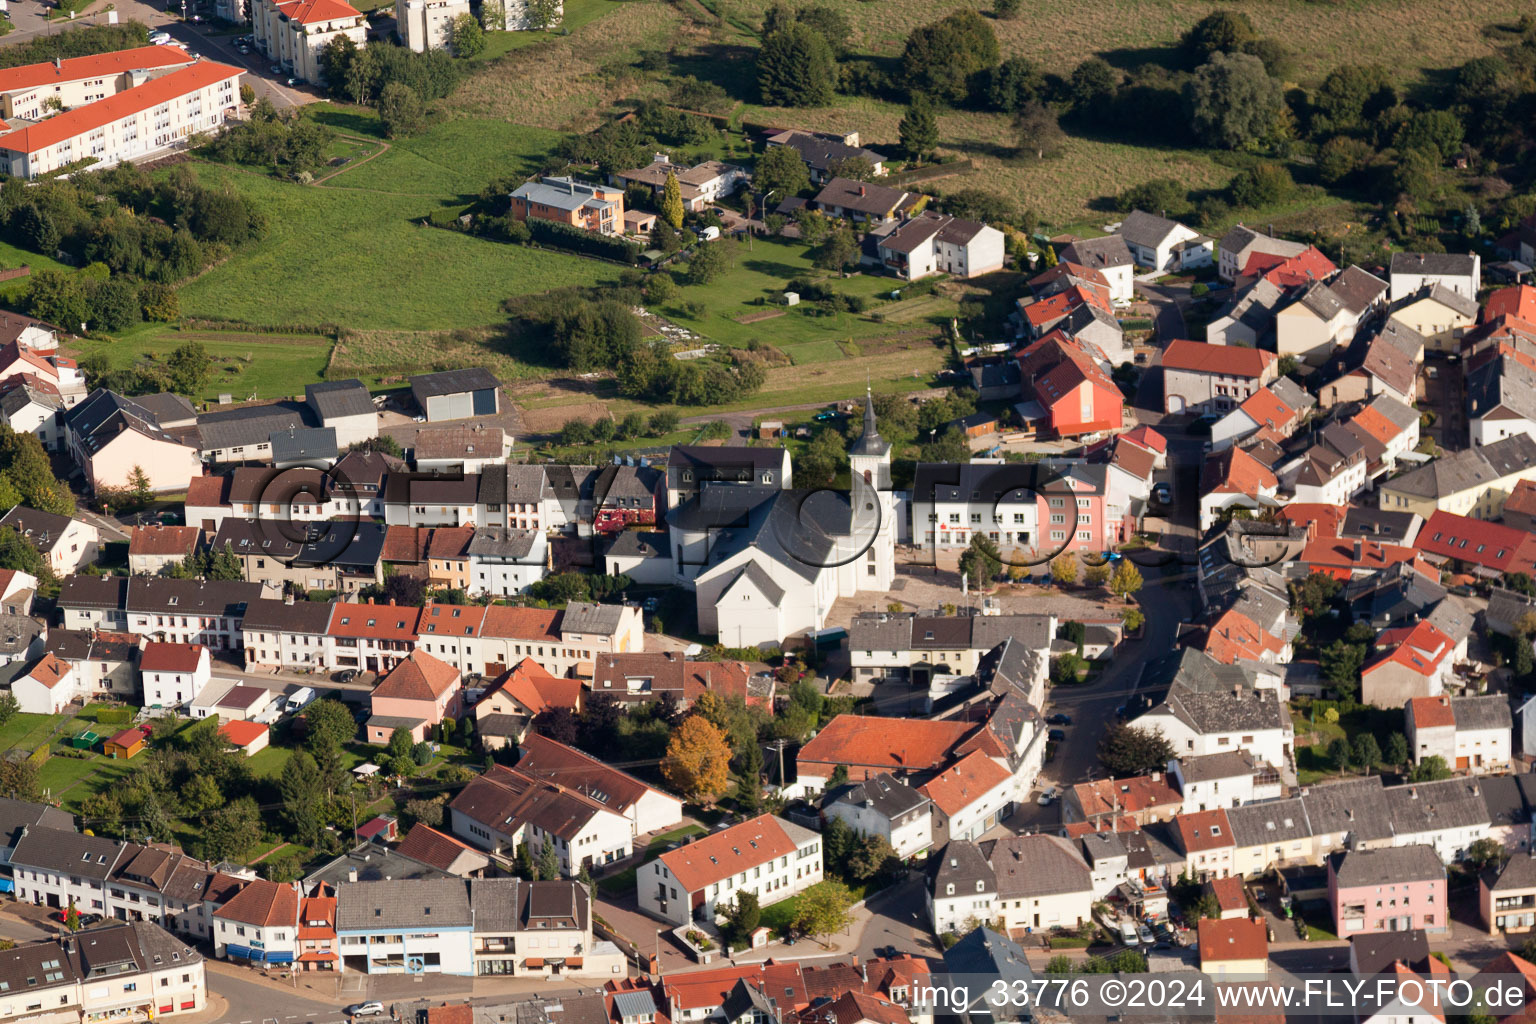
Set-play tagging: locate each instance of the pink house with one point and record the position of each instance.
(418, 693)
(1388, 890)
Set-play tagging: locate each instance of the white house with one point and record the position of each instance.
(1472, 734)
(1110, 256)
(65, 543)
(295, 32)
(1411, 271)
(648, 809)
(32, 405)
(46, 688)
(1240, 243)
(961, 888)
(259, 923)
(1162, 244)
(423, 24)
(406, 926)
(772, 858)
(884, 806)
(1210, 723)
(173, 674)
(1216, 780)
(970, 797)
(504, 807)
(1043, 882)
(934, 243)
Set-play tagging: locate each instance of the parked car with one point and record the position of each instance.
(1128, 933)
(1047, 796)
(277, 69)
(1260, 894)
(1144, 934)
(1059, 719)
(346, 675)
(1056, 734)
(1163, 493)
(368, 1009)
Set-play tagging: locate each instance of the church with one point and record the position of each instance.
(767, 560)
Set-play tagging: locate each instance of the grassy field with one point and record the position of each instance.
(365, 260)
(454, 158)
(576, 14)
(244, 364)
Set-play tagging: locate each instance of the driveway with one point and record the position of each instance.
(1169, 300)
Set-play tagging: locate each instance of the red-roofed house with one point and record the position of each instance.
(317, 931)
(249, 738)
(173, 674)
(1077, 395)
(648, 809)
(1235, 948)
(1234, 478)
(1205, 840)
(1231, 899)
(421, 690)
(868, 746)
(1142, 798)
(1410, 661)
(1518, 301)
(519, 694)
(1344, 559)
(1213, 378)
(370, 637)
(1488, 549)
(47, 688)
(443, 852)
(137, 121)
(76, 81)
(1235, 637)
(969, 797)
(248, 926)
(1305, 267)
(295, 32)
(153, 549)
(772, 857)
(1042, 315)
(1263, 410)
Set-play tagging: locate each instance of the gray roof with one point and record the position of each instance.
(984, 957)
(730, 463)
(639, 544)
(1321, 300)
(1098, 847)
(1098, 253)
(301, 443)
(227, 598)
(256, 537)
(1389, 864)
(103, 414)
(42, 530)
(820, 152)
(741, 1001)
(60, 850)
(1402, 337)
(1490, 712)
(527, 484)
(562, 193)
(961, 864)
(312, 617)
(1502, 382)
(1431, 806)
(1277, 821)
(1146, 229)
(1375, 952)
(499, 542)
(585, 617)
(1358, 289)
(636, 1004)
(452, 382)
(1438, 264)
(402, 903)
(1519, 872)
(251, 424)
(1505, 800)
(637, 483)
(1292, 394)
(89, 645)
(1505, 608)
(495, 903)
(168, 408)
(333, 399)
(16, 815)
(17, 633)
(374, 862)
(1228, 764)
(1464, 470)
(1353, 807)
(882, 793)
(1032, 866)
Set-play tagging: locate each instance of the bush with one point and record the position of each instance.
(563, 236)
(1262, 185)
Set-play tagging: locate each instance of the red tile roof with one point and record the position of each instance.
(1432, 713)
(430, 846)
(1228, 360)
(1518, 301)
(262, 903)
(242, 733)
(1125, 796)
(1477, 541)
(1237, 938)
(1523, 499)
(1375, 423)
(1229, 893)
(703, 862)
(1290, 271)
(101, 65)
(521, 623)
(965, 782)
(1420, 648)
(163, 540)
(374, 621)
(450, 542)
(1197, 831)
(1265, 409)
(707, 989)
(114, 108)
(1332, 553)
(50, 671)
(532, 685)
(1235, 637)
(885, 743)
(308, 12)
(405, 544)
(167, 657)
(418, 677)
(1148, 438)
(1323, 520)
(1067, 268)
(317, 908)
(458, 1013)
(1234, 471)
(208, 491)
(1052, 308)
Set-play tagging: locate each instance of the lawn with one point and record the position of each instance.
(621, 882)
(759, 273)
(245, 364)
(71, 780)
(334, 255)
(26, 731)
(576, 14)
(454, 158)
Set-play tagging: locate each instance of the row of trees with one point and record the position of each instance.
(398, 81)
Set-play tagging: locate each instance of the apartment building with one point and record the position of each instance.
(294, 33)
(121, 972)
(424, 24)
(772, 858)
(145, 118)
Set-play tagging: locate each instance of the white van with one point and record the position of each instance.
(159, 38)
(1128, 933)
(300, 699)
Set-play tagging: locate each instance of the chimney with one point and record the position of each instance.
(1357, 549)
(351, 874)
(861, 190)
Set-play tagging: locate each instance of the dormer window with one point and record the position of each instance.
(949, 890)
(981, 886)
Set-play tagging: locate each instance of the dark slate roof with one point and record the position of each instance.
(168, 408)
(962, 864)
(1431, 806)
(639, 544)
(103, 414)
(1277, 821)
(453, 382)
(1519, 872)
(1490, 712)
(251, 424)
(1356, 807)
(191, 597)
(1442, 264)
(1385, 865)
(402, 903)
(729, 463)
(882, 793)
(336, 398)
(353, 546)
(1098, 253)
(312, 617)
(1376, 952)
(53, 849)
(1035, 866)
(100, 593)
(299, 444)
(984, 957)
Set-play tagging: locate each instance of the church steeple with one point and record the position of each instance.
(871, 443)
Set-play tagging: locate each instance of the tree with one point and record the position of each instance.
(981, 561)
(919, 129)
(839, 251)
(1091, 87)
(1038, 131)
(9, 706)
(1126, 580)
(229, 831)
(1262, 185)
(1218, 32)
(940, 58)
(672, 201)
(549, 861)
(1126, 750)
(465, 36)
(1064, 568)
(1014, 84)
(1486, 852)
(57, 297)
(401, 111)
(870, 856)
(708, 262)
(400, 742)
(1342, 158)
(544, 14)
(821, 460)
(854, 168)
(796, 67)
(1132, 618)
(1432, 769)
(72, 917)
(140, 490)
(1068, 669)
(1232, 101)
(427, 812)
(1096, 575)
(1341, 662)
(781, 172)
(328, 723)
(1366, 751)
(698, 760)
(742, 916)
(1350, 99)
(300, 787)
(823, 909)
(1340, 754)
(1006, 10)
(18, 779)
(1397, 750)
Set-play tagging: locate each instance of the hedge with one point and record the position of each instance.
(563, 236)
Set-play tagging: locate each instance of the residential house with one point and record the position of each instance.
(969, 797)
(65, 543)
(294, 33)
(1162, 244)
(1499, 398)
(460, 449)
(154, 549)
(933, 243)
(369, 637)
(648, 809)
(443, 852)
(1487, 549)
(516, 697)
(571, 202)
(416, 694)
(1109, 256)
(772, 858)
(113, 439)
(1043, 882)
(1209, 723)
(1240, 244)
(1314, 325)
(1226, 779)
(1140, 799)
(30, 404)
(173, 674)
(1208, 378)
(405, 926)
(1237, 948)
(866, 203)
(1438, 313)
(700, 185)
(1076, 395)
(120, 971)
(425, 24)
(1471, 734)
(319, 949)
(230, 701)
(1273, 412)
(102, 661)
(1235, 479)
(640, 677)
(1231, 897)
(1205, 839)
(539, 929)
(46, 688)
(1409, 661)
(1506, 896)
(1393, 889)
(505, 807)
(260, 923)
(886, 807)
(961, 888)
(866, 747)
(1474, 482)
(822, 151)
(286, 633)
(922, 647)
(1411, 272)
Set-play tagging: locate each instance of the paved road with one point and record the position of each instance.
(897, 919)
